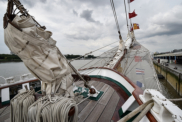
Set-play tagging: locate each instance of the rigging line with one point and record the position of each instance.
(155, 75)
(132, 67)
(92, 65)
(126, 15)
(99, 56)
(115, 16)
(116, 20)
(143, 77)
(93, 51)
(126, 62)
(132, 60)
(96, 67)
(4, 110)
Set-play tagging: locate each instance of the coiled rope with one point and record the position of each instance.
(52, 109)
(19, 105)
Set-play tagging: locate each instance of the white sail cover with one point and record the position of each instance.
(40, 55)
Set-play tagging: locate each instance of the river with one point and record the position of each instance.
(18, 68)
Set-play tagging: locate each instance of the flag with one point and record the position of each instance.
(139, 71)
(133, 14)
(139, 84)
(129, 1)
(135, 26)
(131, 28)
(138, 59)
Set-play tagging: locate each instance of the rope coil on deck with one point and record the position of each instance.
(19, 105)
(52, 109)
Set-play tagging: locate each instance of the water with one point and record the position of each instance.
(18, 68)
(12, 69)
(170, 92)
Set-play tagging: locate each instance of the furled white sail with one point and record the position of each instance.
(39, 53)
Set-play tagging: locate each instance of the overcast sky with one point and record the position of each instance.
(80, 26)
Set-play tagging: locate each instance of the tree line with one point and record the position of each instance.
(12, 57)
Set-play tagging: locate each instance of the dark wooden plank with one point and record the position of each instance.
(4, 117)
(110, 108)
(106, 97)
(5, 109)
(82, 105)
(91, 105)
(81, 83)
(91, 82)
(95, 84)
(99, 85)
(95, 114)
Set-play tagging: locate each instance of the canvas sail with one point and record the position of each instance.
(38, 51)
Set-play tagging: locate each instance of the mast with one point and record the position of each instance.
(129, 12)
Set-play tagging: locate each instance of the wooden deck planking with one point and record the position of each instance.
(95, 114)
(4, 110)
(101, 110)
(82, 105)
(91, 105)
(107, 96)
(109, 109)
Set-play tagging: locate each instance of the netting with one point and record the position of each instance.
(138, 66)
(102, 59)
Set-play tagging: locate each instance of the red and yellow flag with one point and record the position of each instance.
(135, 26)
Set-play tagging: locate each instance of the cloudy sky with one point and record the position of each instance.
(80, 26)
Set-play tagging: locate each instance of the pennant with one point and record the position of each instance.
(131, 28)
(139, 71)
(138, 59)
(133, 14)
(135, 26)
(129, 1)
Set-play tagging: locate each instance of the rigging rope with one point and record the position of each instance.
(126, 15)
(115, 16)
(93, 51)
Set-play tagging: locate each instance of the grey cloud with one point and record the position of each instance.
(75, 13)
(31, 3)
(84, 34)
(170, 29)
(97, 3)
(78, 36)
(87, 14)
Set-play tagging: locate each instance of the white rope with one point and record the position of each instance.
(52, 109)
(134, 112)
(19, 106)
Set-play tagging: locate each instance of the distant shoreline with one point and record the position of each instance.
(6, 61)
(4, 58)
